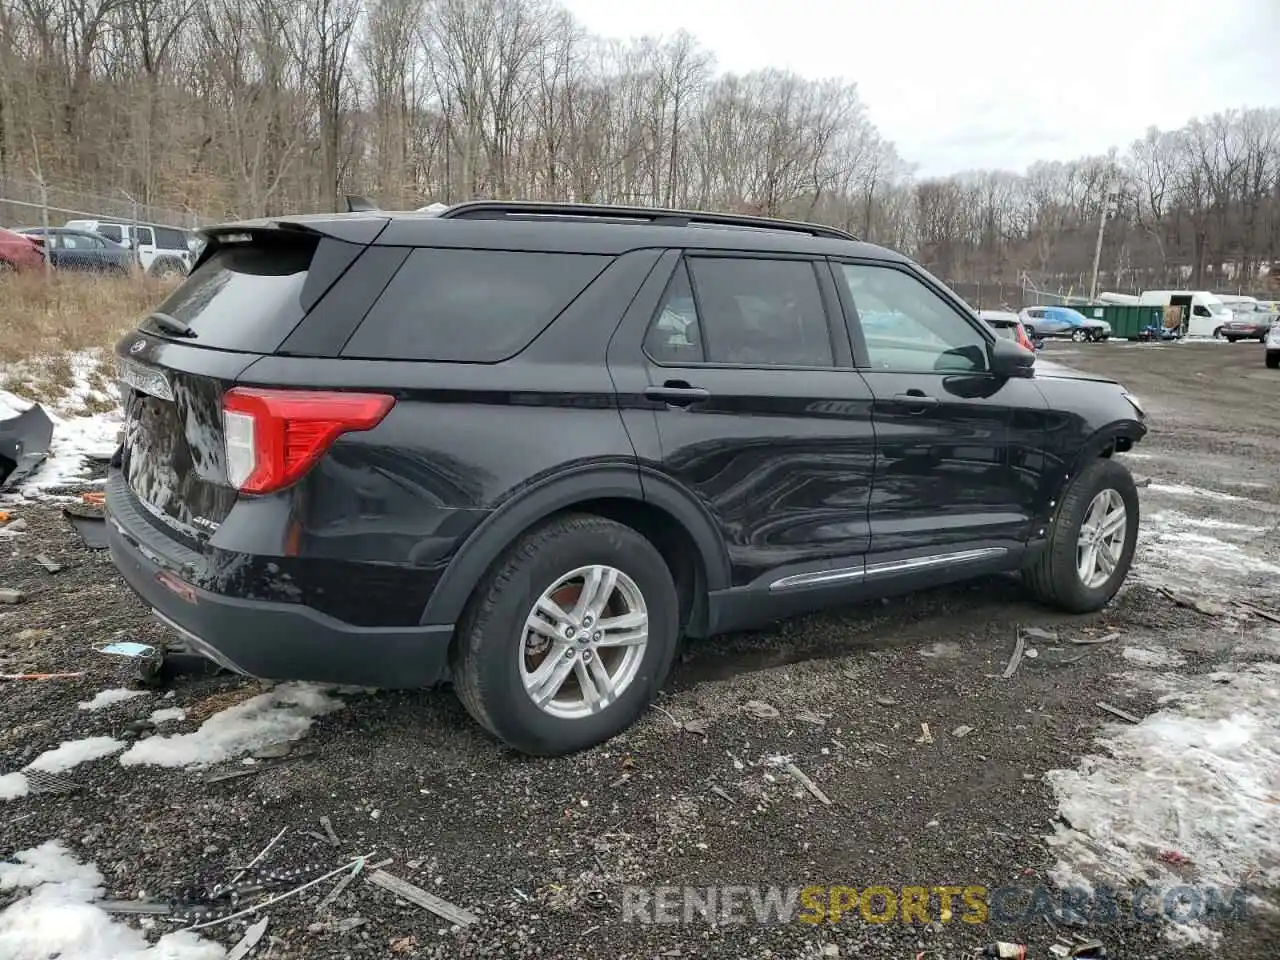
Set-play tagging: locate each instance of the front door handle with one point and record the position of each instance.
(677, 393)
(917, 400)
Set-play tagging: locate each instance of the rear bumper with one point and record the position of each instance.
(265, 639)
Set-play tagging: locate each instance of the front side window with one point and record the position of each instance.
(909, 327)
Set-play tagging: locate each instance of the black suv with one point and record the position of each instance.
(527, 447)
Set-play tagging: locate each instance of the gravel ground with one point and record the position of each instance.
(541, 850)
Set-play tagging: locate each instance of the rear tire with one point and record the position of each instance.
(1055, 577)
(491, 656)
(1079, 336)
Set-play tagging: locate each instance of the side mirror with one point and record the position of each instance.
(1008, 359)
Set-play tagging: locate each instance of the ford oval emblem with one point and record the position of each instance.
(138, 346)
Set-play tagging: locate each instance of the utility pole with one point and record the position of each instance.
(1109, 207)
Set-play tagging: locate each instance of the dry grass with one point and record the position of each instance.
(44, 321)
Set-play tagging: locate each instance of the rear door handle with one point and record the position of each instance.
(677, 393)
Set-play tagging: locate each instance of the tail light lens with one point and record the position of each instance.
(1023, 339)
(273, 437)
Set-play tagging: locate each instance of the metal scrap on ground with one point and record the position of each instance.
(1116, 711)
(428, 901)
(1018, 647)
(249, 940)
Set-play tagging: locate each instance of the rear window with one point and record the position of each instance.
(246, 296)
(1003, 329)
(477, 306)
(170, 239)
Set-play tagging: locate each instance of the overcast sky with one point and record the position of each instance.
(963, 84)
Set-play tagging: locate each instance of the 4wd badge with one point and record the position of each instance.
(138, 346)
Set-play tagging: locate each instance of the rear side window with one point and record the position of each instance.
(246, 296)
(170, 239)
(477, 306)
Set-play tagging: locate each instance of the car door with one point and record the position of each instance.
(146, 247)
(960, 452)
(747, 400)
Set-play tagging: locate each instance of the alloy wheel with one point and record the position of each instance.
(1101, 539)
(583, 642)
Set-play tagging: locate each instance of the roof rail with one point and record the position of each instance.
(657, 216)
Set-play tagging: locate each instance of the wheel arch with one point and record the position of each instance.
(1116, 437)
(669, 517)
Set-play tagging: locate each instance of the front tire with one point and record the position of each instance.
(548, 672)
(1091, 543)
(1079, 336)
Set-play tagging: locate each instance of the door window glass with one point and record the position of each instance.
(908, 327)
(674, 336)
(761, 313)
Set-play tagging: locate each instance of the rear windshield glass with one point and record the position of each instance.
(246, 296)
(477, 306)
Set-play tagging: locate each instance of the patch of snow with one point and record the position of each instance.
(284, 713)
(1182, 490)
(71, 753)
(1173, 519)
(1197, 778)
(11, 405)
(13, 786)
(108, 697)
(168, 715)
(57, 917)
(1145, 657)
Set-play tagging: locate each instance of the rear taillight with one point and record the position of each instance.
(273, 437)
(1023, 339)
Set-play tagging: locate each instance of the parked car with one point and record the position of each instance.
(528, 447)
(164, 252)
(1009, 326)
(1249, 320)
(81, 250)
(19, 252)
(1052, 321)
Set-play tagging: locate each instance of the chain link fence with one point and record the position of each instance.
(27, 203)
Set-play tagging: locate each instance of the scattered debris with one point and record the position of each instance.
(92, 529)
(1089, 950)
(1016, 659)
(47, 562)
(596, 899)
(273, 751)
(961, 732)
(428, 901)
(1175, 859)
(407, 944)
(327, 826)
(1258, 612)
(801, 778)
(695, 726)
(1035, 633)
(1206, 607)
(381, 863)
(249, 940)
(925, 735)
(9, 595)
(886, 701)
(761, 710)
(1084, 641)
(1005, 951)
(128, 649)
(276, 899)
(1116, 711)
(24, 441)
(808, 716)
(722, 793)
(41, 676)
(156, 908)
(340, 886)
(42, 781)
(260, 857)
(95, 498)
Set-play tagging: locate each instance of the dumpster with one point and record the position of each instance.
(1128, 322)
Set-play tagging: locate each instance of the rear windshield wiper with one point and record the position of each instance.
(171, 324)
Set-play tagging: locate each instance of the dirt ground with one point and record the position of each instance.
(541, 850)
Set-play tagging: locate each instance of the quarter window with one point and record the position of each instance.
(910, 328)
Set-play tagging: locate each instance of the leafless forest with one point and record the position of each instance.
(246, 107)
